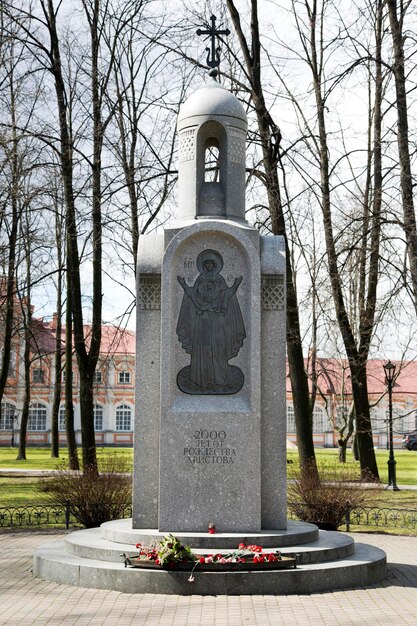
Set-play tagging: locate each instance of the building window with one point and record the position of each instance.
(37, 417)
(98, 417)
(97, 377)
(8, 414)
(123, 417)
(321, 423)
(124, 378)
(398, 419)
(61, 418)
(38, 375)
(290, 419)
(64, 375)
(378, 421)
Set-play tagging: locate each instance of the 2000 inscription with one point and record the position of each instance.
(210, 447)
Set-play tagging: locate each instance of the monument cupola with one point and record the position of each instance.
(212, 126)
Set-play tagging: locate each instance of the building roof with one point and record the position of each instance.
(117, 340)
(114, 340)
(42, 340)
(333, 376)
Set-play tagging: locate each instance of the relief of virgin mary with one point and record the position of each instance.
(210, 328)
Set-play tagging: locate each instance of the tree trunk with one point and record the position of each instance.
(342, 450)
(357, 361)
(27, 317)
(363, 435)
(87, 360)
(10, 298)
(87, 425)
(58, 343)
(73, 461)
(406, 178)
(270, 141)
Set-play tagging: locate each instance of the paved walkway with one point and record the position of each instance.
(25, 600)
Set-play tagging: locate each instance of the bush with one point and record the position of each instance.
(93, 499)
(324, 500)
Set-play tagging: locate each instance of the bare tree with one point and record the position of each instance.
(270, 139)
(397, 12)
(314, 45)
(59, 239)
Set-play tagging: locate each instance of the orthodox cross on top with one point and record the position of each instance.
(213, 56)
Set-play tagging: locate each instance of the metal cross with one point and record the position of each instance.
(213, 60)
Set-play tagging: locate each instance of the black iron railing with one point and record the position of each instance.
(381, 517)
(60, 515)
(368, 516)
(44, 515)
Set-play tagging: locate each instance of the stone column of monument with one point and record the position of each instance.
(210, 435)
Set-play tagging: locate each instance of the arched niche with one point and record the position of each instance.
(211, 169)
(212, 161)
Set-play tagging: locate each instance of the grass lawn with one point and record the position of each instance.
(40, 458)
(406, 463)
(20, 491)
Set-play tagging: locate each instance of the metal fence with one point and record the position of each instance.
(60, 515)
(381, 517)
(43, 515)
(367, 516)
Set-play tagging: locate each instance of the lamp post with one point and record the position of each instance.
(389, 369)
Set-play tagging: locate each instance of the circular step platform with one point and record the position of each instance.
(326, 561)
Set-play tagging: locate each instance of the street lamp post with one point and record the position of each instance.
(389, 369)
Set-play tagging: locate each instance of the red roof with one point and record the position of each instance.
(333, 376)
(117, 340)
(113, 340)
(42, 340)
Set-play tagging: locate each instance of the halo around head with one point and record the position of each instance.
(210, 255)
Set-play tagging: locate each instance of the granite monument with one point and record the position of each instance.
(210, 426)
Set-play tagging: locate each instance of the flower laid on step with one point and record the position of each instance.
(170, 553)
(148, 554)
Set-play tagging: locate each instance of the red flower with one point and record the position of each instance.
(242, 546)
(202, 559)
(138, 545)
(255, 548)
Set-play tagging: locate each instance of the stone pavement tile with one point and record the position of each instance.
(26, 601)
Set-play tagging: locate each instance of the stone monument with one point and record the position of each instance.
(210, 425)
(210, 440)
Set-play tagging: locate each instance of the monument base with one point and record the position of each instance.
(325, 561)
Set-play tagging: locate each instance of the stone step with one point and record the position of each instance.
(365, 567)
(121, 531)
(329, 546)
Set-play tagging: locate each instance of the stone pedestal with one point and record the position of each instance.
(211, 455)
